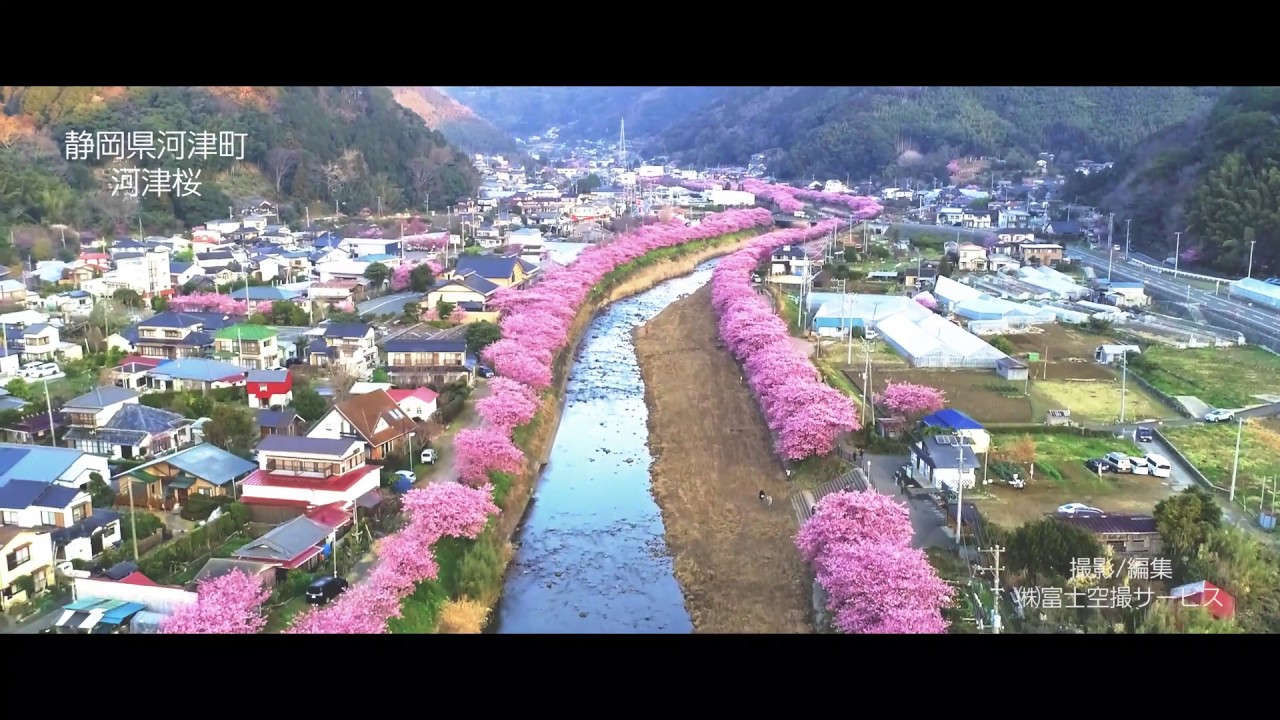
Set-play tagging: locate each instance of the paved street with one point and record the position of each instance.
(34, 626)
(388, 304)
(926, 520)
(444, 470)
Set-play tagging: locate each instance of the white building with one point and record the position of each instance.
(651, 171)
(306, 472)
(418, 403)
(944, 461)
(146, 273)
(731, 198)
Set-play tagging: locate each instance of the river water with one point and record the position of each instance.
(591, 554)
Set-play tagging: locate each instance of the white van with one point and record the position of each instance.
(1159, 465)
(1139, 466)
(1119, 461)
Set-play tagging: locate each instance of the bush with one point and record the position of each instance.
(1048, 471)
(463, 617)
(480, 571)
(199, 507)
(294, 584)
(1003, 344)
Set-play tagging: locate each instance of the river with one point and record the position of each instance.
(591, 554)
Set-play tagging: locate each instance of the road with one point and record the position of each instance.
(388, 304)
(444, 469)
(33, 627)
(1265, 320)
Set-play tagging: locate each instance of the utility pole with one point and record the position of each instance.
(995, 585)
(1235, 466)
(960, 499)
(1110, 257)
(1126, 238)
(1177, 249)
(1124, 378)
(1251, 244)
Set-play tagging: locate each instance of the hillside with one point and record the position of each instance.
(860, 131)
(455, 121)
(1216, 177)
(304, 147)
(583, 113)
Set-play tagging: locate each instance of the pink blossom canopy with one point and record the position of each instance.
(910, 400)
(229, 604)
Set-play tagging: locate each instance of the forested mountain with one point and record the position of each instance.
(457, 122)
(585, 113)
(837, 131)
(303, 146)
(1215, 177)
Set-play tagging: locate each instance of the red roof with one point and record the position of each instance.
(137, 578)
(333, 483)
(1205, 594)
(426, 395)
(332, 515)
(142, 360)
(274, 502)
(301, 559)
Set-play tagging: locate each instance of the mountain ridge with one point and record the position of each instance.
(457, 122)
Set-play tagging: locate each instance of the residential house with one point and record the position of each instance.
(260, 298)
(175, 335)
(252, 347)
(952, 216)
(417, 403)
(73, 302)
(297, 265)
(943, 461)
(976, 219)
(26, 567)
(958, 423)
(279, 422)
(181, 273)
(1063, 227)
(348, 345)
(1013, 218)
(298, 473)
(469, 292)
(34, 429)
(971, 257)
(40, 343)
(362, 387)
(361, 247)
(134, 375)
(12, 292)
(10, 361)
(789, 260)
(501, 270)
(195, 373)
(298, 544)
(374, 418)
(50, 465)
(269, 388)
(1045, 254)
(1108, 354)
(436, 359)
(146, 273)
(335, 292)
(1127, 294)
(202, 469)
(85, 539)
(1127, 535)
(212, 262)
(109, 421)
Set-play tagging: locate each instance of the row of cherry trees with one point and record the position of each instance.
(400, 276)
(790, 199)
(208, 302)
(232, 604)
(859, 545)
(535, 327)
(805, 415)
(910, 400)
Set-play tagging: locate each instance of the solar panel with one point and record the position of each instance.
(944, 439)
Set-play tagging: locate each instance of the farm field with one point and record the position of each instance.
(1212, 449)
(1097, 402)
(981, 394)
(1061, 477)
(1221, 377)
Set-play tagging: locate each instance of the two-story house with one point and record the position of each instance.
(501, 270)
(347, 345)
(79, 533)
(269, 388)
(469, 292)
(42, 343)
(437, 359)
(176, 335)
(50, 465)
(299, 473)
(334, 292)
(1045, 254)
(253, 347)
(109, 421)
(202, 469)
(145, 272)
(1013, 218)
(976, 219)
(971, 257)
(789, 260)
(26, 564)
(417, 403)
(372, 417)
(943, 461)
(953, 216)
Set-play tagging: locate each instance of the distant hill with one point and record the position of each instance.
(831, 132)
(455, 121)
(1214, 177)
(304, 146)
(586, 113)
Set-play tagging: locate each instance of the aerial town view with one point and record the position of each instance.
(639, 360)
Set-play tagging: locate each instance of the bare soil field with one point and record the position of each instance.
(1067, 351)
(734, 558)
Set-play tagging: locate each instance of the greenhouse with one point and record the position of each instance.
(834, 312)
(932, 342)
(1256, 291)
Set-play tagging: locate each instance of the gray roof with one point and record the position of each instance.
(101, 397)
(131, 426)
(296, 444)
(199, 369)
(286, 542)
(276, 419)
(207, 462)
(268, 376)
(346, 330)
(217, 567)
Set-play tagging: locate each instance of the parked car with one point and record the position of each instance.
(1078, 509)
(1119, 461)
(1143, 434)
(1139, 465)
(1219, 415)
(484, 372)
(1098, 465)
(324, 589)
(35, 371)
(429, 456)
(293, 361)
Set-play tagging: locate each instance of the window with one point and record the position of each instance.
(77, 513)
(19, 557)
(9, 517)
(39, 581)
(48, 517)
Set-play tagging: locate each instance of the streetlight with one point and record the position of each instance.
(1251, 244)
(1111, 257)
(1177, 249)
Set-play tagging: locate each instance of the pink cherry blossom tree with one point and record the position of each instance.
(859, 544)
(346, 306)
(910, 400)
(509, 405)
(229, 604)
(208, 302)
(480, 450)
(926, 300)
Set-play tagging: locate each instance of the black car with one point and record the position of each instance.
(484, 372)
(324, 589)
(1098, 465)
(1142, 434)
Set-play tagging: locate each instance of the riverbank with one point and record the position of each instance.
(734, 557)
(475, 569)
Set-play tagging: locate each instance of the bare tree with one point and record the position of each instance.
(420, 172)
(335, 178)
(280, 161)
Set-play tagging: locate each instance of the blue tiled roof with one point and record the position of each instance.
(487, 266)
(346, 330)
(33, 462)
(85, 527)
(427, 345)
(22, 494)
(951, 418)
(198, 369)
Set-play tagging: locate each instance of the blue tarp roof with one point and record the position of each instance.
(951, 418)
